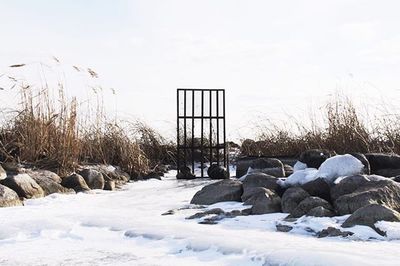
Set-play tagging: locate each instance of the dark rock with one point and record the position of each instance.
(348, 185)
(24, 185)
(318, 188)
(109, 185)
(388, 172)
(242, 165)
(269, 166)
(385, 192)
(8, 197)
(215, 211)
(185, 173)
(320, 212)
(292, 197)
(288, 170)
(396, 179)
(76, 182)
(225, 190)
(252, 181)
(283, 228)
(333, 232)
(361, 157)
(151, 175)
(217, 172)
(314, 158)
(50, 182)
(308, 204)
(370, 214)
(380, 161)
(93, 178)
(264, 202)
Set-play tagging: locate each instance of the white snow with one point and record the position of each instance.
(299, 166)
(127, 228)
(333, 168)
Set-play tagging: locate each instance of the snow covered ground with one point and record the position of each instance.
(127, 228)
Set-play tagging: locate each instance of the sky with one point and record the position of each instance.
(275, 59)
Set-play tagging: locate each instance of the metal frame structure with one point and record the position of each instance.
(216, 113)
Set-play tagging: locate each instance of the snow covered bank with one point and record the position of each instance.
(127, 228)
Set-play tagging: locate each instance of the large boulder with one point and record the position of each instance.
(225, 190)
(50, 182)
(93, 178)
(318, 188)
(269, 166)
(216, 171)
(380, 161)
(314, 158)
(370, 214)
(76, 182)
(8, 197)
(24, 185)
(264, 201)
(292, 197)
(256, 180)
(348, 185)
(306, 205)
(385, 192)
(3, 173)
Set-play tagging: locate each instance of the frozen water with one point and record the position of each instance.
(126, 228)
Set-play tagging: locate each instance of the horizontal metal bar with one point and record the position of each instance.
(200, 117)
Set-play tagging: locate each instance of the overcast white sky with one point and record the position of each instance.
(273, 57)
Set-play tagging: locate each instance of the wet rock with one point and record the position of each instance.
(8, 197)
(225, 190)
(370, 214)
(320, 212)
(50, 182)
(318, 188)
(93, 178)
(333, 232)
(76, 182)
(292, 197)
(263, 202)
(308, 204)
(314, 158)
(217, 172)
(385, 192)
(24, 185)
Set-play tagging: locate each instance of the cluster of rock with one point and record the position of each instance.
(364, 195)
(18, 183)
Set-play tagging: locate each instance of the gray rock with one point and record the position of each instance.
(217, 172)
(225, 190)
(269, 166)
(109, 185)
(264, 202)
(333, 232)
(362, 158)
(320, 212)
(8, 197)
(314, 158)
(215, 211)
(283, 228)
(370, 214)
(318, 188)
(185, 173)
(348, 185)
(76, 182)
(24, 185)
(255, 180)
(386, 192)
(380, 161)
(50, 182)
(292, 197)
(308, 204)
(93, 178)
(3, 173)
(388, 172)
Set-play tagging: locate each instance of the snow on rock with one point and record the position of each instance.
(299, 177)
(299, 166)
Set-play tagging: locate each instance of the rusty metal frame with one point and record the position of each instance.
(214, 146)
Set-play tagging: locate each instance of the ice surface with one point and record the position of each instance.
(126, 228)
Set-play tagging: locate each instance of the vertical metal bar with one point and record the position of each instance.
(202, 136)
(184, 127)
(192, 142)
(211, 150)
(226, 150)
(178, 162)
(217, 106)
